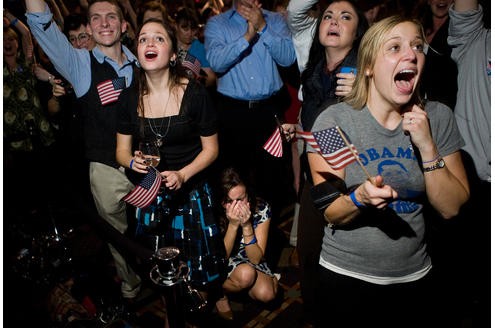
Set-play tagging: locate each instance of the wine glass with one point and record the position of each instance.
(150, 153)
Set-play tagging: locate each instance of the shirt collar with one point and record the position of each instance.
(100, 56)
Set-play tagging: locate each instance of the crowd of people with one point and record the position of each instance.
(206, 83)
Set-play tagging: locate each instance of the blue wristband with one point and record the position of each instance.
(352, 195)
(132, 162)
(253, 241)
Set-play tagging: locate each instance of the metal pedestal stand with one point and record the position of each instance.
(170, 274)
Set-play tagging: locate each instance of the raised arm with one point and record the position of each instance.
(130, 14)
(84, 4)
(301, 25)
(35, 6)
(465, 5)
(63, 8)
(298, 16)
(73, 64)
(57, 14)
(27, 40)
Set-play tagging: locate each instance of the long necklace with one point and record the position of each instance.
(158, 133)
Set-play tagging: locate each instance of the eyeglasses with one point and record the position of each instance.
(83, 37)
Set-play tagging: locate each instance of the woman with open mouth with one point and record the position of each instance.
(375, 270)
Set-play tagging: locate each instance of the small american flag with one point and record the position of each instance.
(330, 144)
(146, 191)
(274, 144)
(192, 63)
(110, 90)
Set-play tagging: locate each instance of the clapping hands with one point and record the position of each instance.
(251, 11)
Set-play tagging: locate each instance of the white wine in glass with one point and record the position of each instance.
(150, 152)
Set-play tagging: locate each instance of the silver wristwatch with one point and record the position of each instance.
(439, 163)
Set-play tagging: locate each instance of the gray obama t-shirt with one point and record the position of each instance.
(385, 243)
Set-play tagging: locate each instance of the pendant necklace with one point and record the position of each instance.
(158, 132)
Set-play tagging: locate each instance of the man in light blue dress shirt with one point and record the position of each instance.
(244, 45)
(109, 61)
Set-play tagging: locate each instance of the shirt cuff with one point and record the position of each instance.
(41, 17)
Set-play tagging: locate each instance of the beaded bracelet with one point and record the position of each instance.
(14, 21)
(433, 160)
(253, 241)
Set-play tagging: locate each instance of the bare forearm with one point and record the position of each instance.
(35, 6)
(63, 9)
(465, 5)
(255, 243)
(57, 15)
(447, 188)
(130, 13)
(254, 253)
(204, 159)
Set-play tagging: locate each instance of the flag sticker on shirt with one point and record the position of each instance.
(144, 194)
(192, 63)
(110, 90)
(331, 145)
(274, 144)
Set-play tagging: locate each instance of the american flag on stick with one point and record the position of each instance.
(110, 90)
(331, 144)
(144, 194)
(274, 144)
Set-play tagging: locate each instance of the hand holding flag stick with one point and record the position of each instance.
(331, 143)
(274, 144)
(354, 153)
(287, 130)
(335, 148)
(145, 193)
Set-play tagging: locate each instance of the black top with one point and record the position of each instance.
(439, 79)
(181, 141)
(319, 89)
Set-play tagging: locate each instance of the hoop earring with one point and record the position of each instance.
(173, 62)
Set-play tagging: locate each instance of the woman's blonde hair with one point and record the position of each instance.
(369, 48)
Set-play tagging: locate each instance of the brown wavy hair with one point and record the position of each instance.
(176, 72)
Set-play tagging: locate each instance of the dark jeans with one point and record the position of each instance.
(460, 249)
(348, 302)
(310, 231)
(244, 127)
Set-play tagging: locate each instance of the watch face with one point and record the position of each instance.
(438, 165)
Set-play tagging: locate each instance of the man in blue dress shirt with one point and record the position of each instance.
(244, 45)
